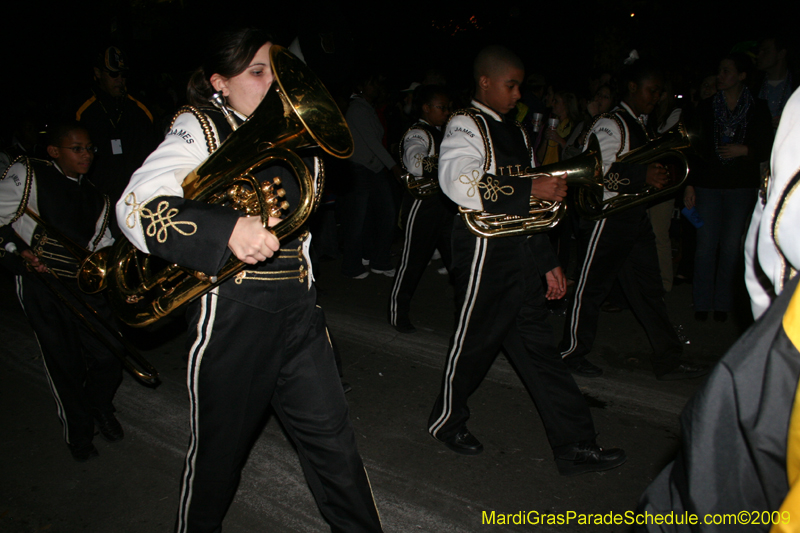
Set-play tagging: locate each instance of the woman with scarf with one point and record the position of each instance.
(734, 136)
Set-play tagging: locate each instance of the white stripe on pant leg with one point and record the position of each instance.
(205, 326)
(401, 270)
(62, 415)
(594, 239)
(476, 273)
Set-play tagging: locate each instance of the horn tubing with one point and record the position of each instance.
(146, 373)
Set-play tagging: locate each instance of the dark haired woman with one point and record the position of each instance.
(734, 135)
(621, 247)
(260, 340)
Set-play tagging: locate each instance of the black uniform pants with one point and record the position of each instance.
(500, 304)
(243, 360)
(428, 226)
(621, 247)
(83, 374)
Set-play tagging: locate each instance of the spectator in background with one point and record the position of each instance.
(778, 85)
(120, 125)
(565, 109)
(734, 135)
(368, 207)
(667, 114)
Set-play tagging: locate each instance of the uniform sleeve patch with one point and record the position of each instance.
(183, 134)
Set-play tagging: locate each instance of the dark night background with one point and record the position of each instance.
(50, 45)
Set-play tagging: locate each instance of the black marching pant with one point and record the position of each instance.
(82, 372)
(621, 247)
(500, 304)
(244, 360)
(428, 226)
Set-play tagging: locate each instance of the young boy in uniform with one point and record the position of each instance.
(500, 299)
(428, 220)
(83, 373)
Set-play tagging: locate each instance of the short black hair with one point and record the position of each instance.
(424, 94)
(59, 130)
(638, 72)
(494, 59)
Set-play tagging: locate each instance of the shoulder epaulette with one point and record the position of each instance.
(483, 129)
(205, 123)
(26, 193)
(623, 128)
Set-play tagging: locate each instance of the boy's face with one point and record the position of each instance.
(74, 153)
(501, 91)
(437, 111)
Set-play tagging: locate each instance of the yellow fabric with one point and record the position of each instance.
(553, 148)
(791, 504)
(522, 110)
(791, 320)
(142, 107)
(86, 104)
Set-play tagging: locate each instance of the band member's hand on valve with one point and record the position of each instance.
(550, 188)
(251, 243)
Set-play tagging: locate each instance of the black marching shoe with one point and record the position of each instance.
(463, 442)
(109, 426)
(581, 367)
(685, 370)
(83, 452)
(587, 456)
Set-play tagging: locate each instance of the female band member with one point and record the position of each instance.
(259, 338)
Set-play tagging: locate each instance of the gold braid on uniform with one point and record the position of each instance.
(402, 146)
(205, 123)
(789, 190)
(104, 227)
(28, 182)
(473, 114)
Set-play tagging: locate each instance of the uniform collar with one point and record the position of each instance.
(492, 113)
(641, 118)
(76, 180)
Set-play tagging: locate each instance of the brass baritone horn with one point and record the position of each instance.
(130, 357)
(668, 149)
(297, 112)
(585, 170)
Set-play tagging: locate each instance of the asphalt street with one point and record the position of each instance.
(419, 485)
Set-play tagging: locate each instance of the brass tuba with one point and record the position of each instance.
(585, 170)
(297, 112)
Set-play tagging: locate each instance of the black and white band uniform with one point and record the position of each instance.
(428, 222)
(259, 340)
(620, 247)
(500, 299)
(82, 372)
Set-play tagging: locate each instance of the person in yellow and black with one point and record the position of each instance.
(121, 126)
(484, 165)
(83, 373)
(428, 220)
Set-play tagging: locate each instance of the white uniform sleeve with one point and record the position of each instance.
(162, 174)
(610, 138)
(415, 149)
(12, 192)
(766, 268)
(461, 162)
